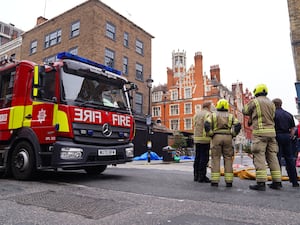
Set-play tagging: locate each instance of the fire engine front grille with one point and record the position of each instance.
(95, 134)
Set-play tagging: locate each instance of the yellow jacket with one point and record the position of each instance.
(262, 112)
(200, 136)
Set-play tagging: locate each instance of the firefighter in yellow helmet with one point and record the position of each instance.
(261, 111)
(223, 126)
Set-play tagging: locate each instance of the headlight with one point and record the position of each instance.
(129, 152)
(71, 153)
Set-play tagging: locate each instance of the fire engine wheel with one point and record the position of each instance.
(95, 170)
(23, 161)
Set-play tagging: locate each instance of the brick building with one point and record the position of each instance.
(175, 103)
(95, 31)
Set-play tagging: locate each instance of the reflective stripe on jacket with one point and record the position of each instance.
(262, 112)
(223, 122)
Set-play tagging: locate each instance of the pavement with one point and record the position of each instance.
(241, 162)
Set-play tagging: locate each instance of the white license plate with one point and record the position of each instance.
(105, 152)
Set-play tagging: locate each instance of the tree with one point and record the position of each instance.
(179, 142)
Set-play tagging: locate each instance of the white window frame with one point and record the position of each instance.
(156, 111)
(33, 47)
(174, 94)
(75, 28)
(187, 92)
(174, 124)
(188, 123)
(174, 109)
(188, 108)
(157, 96)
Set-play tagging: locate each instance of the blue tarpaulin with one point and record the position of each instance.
(144, 156)
(154, 156)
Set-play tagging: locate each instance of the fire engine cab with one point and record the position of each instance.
(70, 114)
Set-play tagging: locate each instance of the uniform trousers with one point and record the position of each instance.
(285, 151)
(265, 149)
(221, 146)
(201, 159)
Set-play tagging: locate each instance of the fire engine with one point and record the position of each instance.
(73, 113)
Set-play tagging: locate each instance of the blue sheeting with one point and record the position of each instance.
(187, 157)
(153, 156)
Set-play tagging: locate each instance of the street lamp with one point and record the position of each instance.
(148, 119)
(165, 99)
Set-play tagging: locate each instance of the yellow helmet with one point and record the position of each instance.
(222, 105)
(260, 89)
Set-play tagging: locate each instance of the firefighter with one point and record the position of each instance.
(223, 126)
(264, 146)
(202, 144)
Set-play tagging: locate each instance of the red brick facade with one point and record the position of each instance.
(175, 103)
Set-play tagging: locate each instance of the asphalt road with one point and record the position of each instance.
(140, 193)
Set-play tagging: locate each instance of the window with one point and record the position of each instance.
(52, 39)
(50, 59)
(198, 108)
(174, 110)
(188, 108)
(139, 103)
(156, 111)
(139, 72)
(125, 65)
(75, 29)
(139, 47)
(157, 96)
(74, 51)
(33, 47)
(126, 39)
(6, 88)
(188, 123)
(188, 92)
(174, 94)
(174, 124)
(48, 85)
(110, 31)
(109, 58)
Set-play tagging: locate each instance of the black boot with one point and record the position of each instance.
(260, 186)
(275, 185)
(203, 179)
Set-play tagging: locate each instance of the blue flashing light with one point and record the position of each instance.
(67, 55)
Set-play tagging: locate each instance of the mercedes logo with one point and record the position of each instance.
(106, 130)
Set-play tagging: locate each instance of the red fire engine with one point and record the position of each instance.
(70, 114)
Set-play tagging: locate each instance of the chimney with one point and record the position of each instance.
(40, 20)
(215, 73)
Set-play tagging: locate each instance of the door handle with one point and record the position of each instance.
(29, 116)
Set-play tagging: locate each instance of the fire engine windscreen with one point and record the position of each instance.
(84, 88)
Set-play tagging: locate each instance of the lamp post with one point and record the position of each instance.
(165, 99)
(148, 120)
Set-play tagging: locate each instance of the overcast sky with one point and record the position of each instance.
(248, 39)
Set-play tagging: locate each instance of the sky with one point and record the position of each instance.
(248, 39)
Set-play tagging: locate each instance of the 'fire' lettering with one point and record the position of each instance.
(89, 116)
(121, 120)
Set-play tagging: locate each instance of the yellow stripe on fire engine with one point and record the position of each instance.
(16, 117)
(36, 75)
(62, 120)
